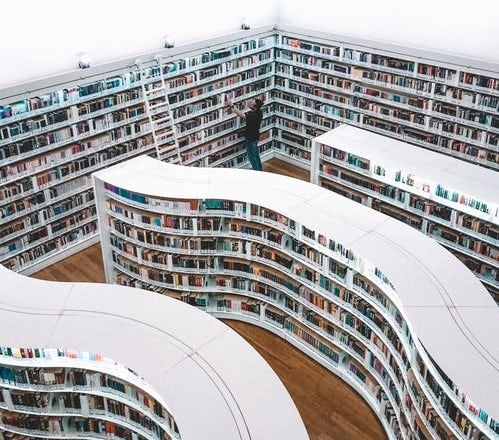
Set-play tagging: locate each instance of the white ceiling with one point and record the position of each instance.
(46, 38)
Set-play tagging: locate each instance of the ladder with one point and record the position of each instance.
(155, 94)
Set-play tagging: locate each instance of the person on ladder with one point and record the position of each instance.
(253, 118)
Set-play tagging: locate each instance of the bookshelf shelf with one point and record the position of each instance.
(356, 290)
(446, 106)
(52, 394)
(451, 201)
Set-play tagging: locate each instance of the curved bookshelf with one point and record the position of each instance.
(51, 393)
(146, 367)
(376, 302)
(452, 201)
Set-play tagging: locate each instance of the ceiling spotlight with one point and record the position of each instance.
(169, 42)
(84, 62)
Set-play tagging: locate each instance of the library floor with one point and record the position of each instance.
(330, 409)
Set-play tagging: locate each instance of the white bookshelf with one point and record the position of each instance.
(103, 348)
(379, 304)
(435, 101)
(452, 201)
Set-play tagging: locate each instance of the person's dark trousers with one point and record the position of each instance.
(254, 155)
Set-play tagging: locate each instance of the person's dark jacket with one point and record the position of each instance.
(253, 122)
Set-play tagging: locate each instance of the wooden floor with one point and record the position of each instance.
(330, 409)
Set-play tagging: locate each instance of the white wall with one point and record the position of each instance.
(41, 38)
(46, 37)
(469, 29)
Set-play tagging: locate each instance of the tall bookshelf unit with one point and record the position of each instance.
(170, 104)
(92, 360)
(56, 132)
(454, 202)
(432, 100)
(377, 303)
